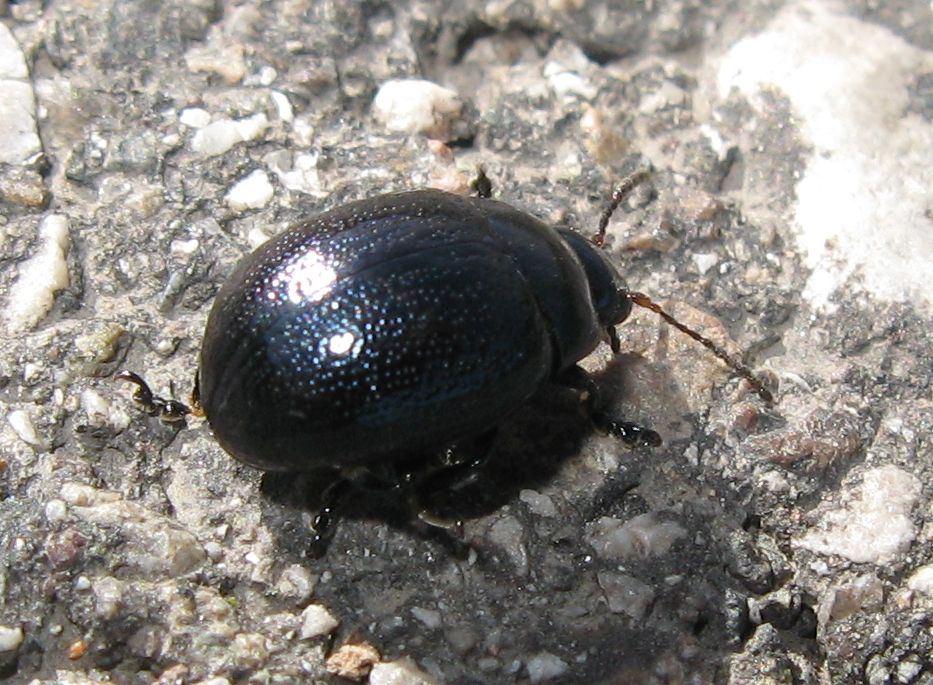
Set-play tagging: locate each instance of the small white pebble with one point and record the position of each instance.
(218, 137)
(214, 551)
(22, 424)
(82, 583)
(316, 621)
(403, 671)
(267, 76)
(545, 666)
(33, 294)
(108, 593)
(55, 510)
(922, 580)
(540, 504)
(296, 581)
(10, 638)
(184, 248)
(256, 237)
(705, 261)
(31, 372)
(282, 106)
(195, 117)
(417, 107)
(252, 192)
(429, 617)
(95, 406)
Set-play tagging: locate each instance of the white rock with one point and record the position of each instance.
(862, 198)
(267, 75)
(252, 192)
(507, 534)
(640, 537)
(540, 504)
(19, 139)
(316, 621)
(625, 594)
(33, 294)
(876, 526)
(12, 62)
(108, 594)
(429, 617)
(298, 173)
(55, 511)
(22, 424)
(218, 137)
(195, 117)
(567, 82)
(282, 106)
(296, 581)
(545, 666)
(153, 544)
(399, 672)
(417, 107)
(921, 580)
(10, 638)
(100, 412)
(705, 261)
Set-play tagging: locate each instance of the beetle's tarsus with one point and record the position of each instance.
(632, 434)
(167, 410)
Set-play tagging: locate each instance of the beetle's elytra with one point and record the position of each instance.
(397, 324)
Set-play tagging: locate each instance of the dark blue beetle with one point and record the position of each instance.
(397, 325)
(391, 328)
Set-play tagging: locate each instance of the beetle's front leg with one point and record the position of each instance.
(168, 410)
(631, 434)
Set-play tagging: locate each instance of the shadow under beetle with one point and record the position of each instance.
(406, 325)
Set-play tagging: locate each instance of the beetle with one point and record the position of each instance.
(399, 325)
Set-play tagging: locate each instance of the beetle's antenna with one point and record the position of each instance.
(643, 300)
(623, 189)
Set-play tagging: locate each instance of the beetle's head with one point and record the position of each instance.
(608, 291)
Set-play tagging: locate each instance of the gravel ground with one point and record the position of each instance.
(146, 146)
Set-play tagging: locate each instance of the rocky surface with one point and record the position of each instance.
(145, 147)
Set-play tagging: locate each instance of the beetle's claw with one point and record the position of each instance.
(634, 435)
(631, 434)
(173, 411)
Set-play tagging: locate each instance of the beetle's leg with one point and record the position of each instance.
(168, 411)
(481, 184)
(322, 527)
(631, 434)
(459, 466)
